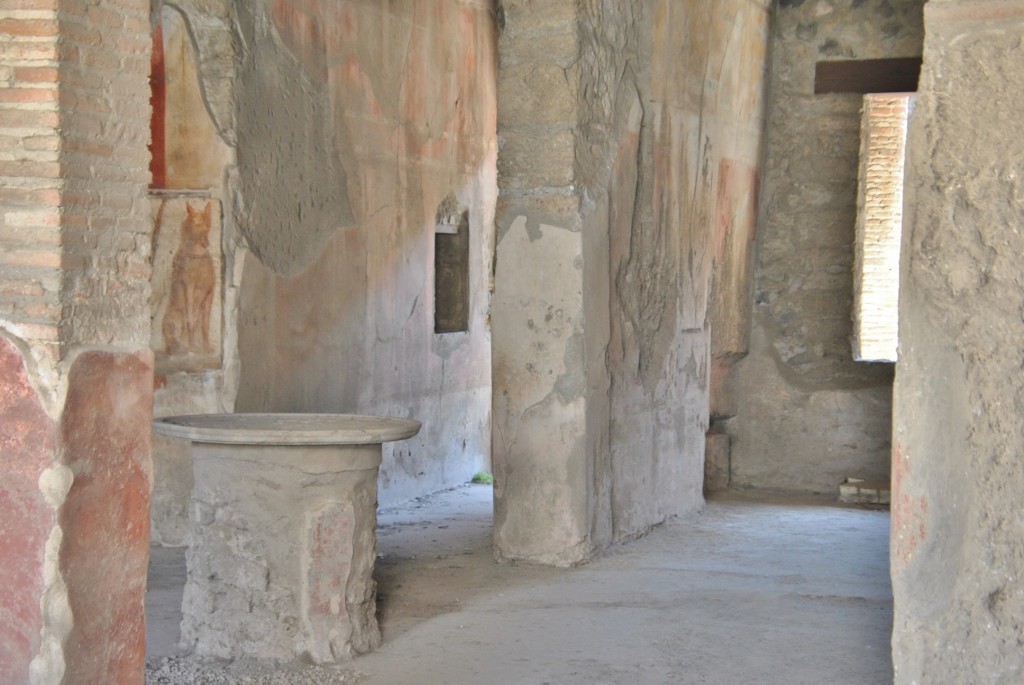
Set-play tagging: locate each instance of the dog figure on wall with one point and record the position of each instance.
(186, 323)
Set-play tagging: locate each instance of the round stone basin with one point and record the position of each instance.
(282, 536)
(287, 429)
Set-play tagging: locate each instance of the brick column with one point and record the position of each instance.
(76, 380)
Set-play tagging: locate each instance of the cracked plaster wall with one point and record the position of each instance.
(806, 414)
(958, 480)
(354, 121)
(615, 121)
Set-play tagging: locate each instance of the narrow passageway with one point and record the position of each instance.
(748, 591)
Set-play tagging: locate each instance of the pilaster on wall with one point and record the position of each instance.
(104, 164)
(623, 189)
(74, 419)
(958, 477)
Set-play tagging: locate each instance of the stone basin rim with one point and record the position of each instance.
(286, 428)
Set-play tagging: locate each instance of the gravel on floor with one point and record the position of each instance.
(191, 670)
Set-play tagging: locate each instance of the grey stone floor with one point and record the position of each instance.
(753, 590)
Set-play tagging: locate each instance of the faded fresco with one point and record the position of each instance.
(190, 158)
(681, 262)
(188, 153)
(186, 311)
(617, 120)
(356, 120)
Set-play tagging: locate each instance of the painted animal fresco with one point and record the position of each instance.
(186, 324)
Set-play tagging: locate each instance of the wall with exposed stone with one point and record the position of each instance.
(630, 143)
(958, 478)
(807, 415)
(75, 369)
(354, 122)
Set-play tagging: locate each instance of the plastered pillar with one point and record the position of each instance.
(540, 455)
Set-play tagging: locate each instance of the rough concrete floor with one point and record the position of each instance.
(748, 592)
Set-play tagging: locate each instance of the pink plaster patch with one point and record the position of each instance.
(909, 515)
(736, 213)
(735, 229)
(329, 550)
(27, 442)
(106, 432)
(330, 539)
(300, 25)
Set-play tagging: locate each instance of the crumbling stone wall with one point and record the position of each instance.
(806, 414)
(76, 380)
(615, 121)
(355, 120)
(958, 478)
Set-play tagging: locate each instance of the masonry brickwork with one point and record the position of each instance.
(876, 262)
(30, 179)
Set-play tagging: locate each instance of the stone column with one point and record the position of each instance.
(958, 476)
(538, 311)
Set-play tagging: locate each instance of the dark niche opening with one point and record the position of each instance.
(451, 268)
(890, 75)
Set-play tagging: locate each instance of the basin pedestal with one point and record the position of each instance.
(283, 533)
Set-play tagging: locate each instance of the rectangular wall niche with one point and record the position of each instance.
(451, 268)
(864, 76)
(879, 226)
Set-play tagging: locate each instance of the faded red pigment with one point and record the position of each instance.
(106, 433)
(27, 448)
(909, 515)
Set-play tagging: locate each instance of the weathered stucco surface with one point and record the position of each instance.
(807, 415)
(616, 121)
(273, 585)
(957, 532)
(346, 150)
(681, 302)
(336, 312)
(541, 386)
